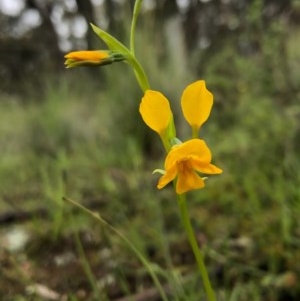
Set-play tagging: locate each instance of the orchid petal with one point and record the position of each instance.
(156, 112)
(196, 104)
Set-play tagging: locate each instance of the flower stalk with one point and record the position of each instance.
(181, 198)
(136, 11)
(139, 73)
(138, 69)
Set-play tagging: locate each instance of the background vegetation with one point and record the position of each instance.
(77, 133)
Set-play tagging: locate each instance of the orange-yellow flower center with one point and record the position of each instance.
(184, 165)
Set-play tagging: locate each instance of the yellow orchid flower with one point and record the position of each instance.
(92, 57)
(196, 104)
(184, 161)
(156, 113)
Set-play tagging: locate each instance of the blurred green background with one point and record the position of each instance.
(77, 133)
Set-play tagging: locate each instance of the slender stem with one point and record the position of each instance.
(139, 73)
(195, 132)
(136, 10)
(166, 143)
(138, 69)
(128, 243)
(196, 250)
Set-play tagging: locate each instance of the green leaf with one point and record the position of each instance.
(110, 41)
(115, 45)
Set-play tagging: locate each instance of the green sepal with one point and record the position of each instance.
(160, 171)
(168, 135)
(175, 141)
(171, 130)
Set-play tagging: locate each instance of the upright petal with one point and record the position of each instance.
(156, 112)
(196, 104)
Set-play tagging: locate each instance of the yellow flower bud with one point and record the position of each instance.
(92, 57)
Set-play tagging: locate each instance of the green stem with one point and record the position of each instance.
(136, 10)
(139, 73)
(196, 250)
(138, 69)
(128, 243)
(195, 132)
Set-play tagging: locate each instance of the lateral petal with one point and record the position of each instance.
(155, 110)
(205, 168)
(196, 104)
(168, 177)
